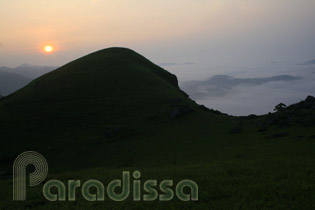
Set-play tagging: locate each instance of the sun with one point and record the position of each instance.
(48, 48)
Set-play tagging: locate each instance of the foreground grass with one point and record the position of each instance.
(272, 183)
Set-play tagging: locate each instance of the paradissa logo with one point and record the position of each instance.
(123, 186)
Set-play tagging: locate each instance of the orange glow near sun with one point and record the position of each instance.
(48, 48)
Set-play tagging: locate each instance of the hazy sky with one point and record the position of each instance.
(162, 30)
(231, 37)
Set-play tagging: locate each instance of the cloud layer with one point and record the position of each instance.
(221, 85)
(250, 92)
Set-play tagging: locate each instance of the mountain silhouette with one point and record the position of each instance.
(11, 82)
(107, 101)
(29, 71)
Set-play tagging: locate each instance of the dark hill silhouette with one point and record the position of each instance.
(113, 98)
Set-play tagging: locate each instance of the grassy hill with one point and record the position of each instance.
(98, 107)
(114, 110)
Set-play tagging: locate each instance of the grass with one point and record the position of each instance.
(236, 184)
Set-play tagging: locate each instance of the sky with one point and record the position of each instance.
(194, 39)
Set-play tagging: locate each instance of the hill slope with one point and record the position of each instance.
(110, 99)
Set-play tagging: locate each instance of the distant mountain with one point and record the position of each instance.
(10, 82)
(29, 71)
(220, 85)
(12, 79)
(176, 64)
(312, 62)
